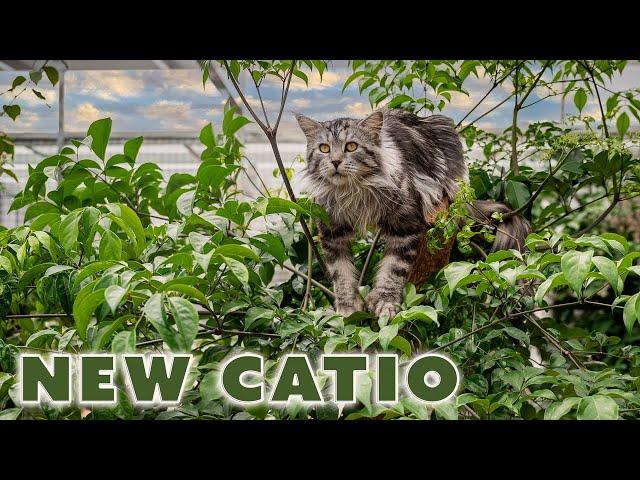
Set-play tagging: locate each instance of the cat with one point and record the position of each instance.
(391, 170)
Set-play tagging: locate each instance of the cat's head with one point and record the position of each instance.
(342, 151)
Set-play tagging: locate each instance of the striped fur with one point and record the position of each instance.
(403, 169)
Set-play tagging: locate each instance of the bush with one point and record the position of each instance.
(114, 256)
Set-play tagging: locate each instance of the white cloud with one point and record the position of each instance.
(460, 100)
(174, 115)
(269, 105)
(358, 109)
(329, 79)
(106, 84)
(83, 115)
(167, 109)
(301, 102)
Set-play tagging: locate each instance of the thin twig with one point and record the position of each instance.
(270, 134)
(316, 283)
(555, 342)
(367, 261)
(307, 292)
(214, 331)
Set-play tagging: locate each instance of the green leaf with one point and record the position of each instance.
(517, 334)
(334, 342)
(124, 342)
(580, 99)
(56, 269)
(83, 309)
(69, 230)
(187, 320)
(52, 74)
(210, 386)
(256, 316)
(388, 333)
(92, 269)
(154, 312)
(351, 78)
(516, 193)
(608, 269)
(367, 337)
(553, 281)
(130, 220)
(35, 76)
(238, 268)
(10, 413)
(422, 313)
(6, 264)
(184, 204)
(622, 124)
(402, 344)
(237, 250)
(19, 80)
(557, 410)
(455, 272)
(114, 294)
(187, 290)
(270, 243)
(575, 267)
(110, 246)
(12, 111)
(597, 407)
(132, 147)
(207, 137)
(631, 311)
(40, 338)
(447, 411)
(100, 130)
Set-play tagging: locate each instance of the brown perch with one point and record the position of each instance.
(428, 263)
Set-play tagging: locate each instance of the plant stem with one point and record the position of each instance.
(271, 136)
(316, 283)
(367, 261)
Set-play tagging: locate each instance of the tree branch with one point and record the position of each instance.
(316, 283)
(270, 134)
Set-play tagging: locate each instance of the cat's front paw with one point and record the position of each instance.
(381, 304)
(347, 307)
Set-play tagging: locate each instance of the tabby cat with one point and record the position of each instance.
(391, 170)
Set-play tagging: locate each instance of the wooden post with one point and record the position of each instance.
(427, 263)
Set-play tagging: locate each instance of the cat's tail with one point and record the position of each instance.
(510, 233)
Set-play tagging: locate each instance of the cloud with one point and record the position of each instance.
(301, 102)
(166, 108)
(175, 115)
(460, 100)
(106, 84)
(84, 114)
(329, 79)
(359, 109)
(269, 105)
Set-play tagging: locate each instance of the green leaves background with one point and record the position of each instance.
(116, 256)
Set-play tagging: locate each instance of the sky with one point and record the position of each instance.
(176, 101)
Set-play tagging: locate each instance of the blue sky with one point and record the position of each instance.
(175, 100)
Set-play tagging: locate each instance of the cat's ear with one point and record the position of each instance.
(372, 124)
(309, 126)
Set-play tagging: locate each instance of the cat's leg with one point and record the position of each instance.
(400, 251)
(336, 244)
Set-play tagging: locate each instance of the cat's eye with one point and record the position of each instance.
(324, 148)
(351, 146)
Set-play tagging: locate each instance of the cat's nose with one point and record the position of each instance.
(335, 163)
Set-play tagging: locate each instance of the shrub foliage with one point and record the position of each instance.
(115, 256)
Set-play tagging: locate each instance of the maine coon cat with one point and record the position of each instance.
(391, 170)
